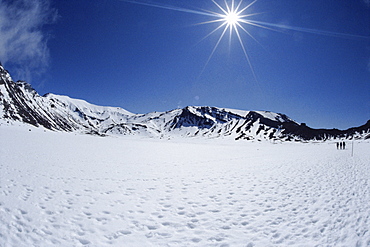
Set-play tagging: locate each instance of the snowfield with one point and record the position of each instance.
(59, 189)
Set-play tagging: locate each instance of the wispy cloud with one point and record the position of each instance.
(367, 3)
(23, 43)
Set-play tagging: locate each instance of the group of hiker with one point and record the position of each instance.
(341, 145)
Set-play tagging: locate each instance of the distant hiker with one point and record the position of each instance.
(340, 145)
(337, 145)
(344, 145)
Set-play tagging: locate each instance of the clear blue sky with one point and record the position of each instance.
(146, 58)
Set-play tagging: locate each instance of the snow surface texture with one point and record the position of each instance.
(65, 189)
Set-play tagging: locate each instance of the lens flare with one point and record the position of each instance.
(234, 19)
(231, 17)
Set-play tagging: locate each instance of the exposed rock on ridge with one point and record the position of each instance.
(20, 102)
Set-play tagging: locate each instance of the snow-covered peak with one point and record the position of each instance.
(241, 113)
(85, 106)
(20, 102)
(5, 74)
(275, 116)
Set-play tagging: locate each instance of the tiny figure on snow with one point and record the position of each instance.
(337, 145)
(340, 145)
(344, 145)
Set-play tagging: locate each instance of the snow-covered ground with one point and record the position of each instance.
(59, 189)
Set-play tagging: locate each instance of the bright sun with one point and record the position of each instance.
(231, 17)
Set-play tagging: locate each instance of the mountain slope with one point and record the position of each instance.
(20, 102)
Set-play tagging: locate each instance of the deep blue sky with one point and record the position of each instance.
(145, 59)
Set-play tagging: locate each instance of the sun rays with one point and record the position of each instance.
(235, 19)
(231, 16)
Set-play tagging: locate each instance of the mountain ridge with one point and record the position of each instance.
(19, 102)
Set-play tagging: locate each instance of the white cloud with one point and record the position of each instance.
(22, 40)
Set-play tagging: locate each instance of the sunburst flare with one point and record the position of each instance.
(232, 16)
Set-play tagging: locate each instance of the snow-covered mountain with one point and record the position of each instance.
(20, 102)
